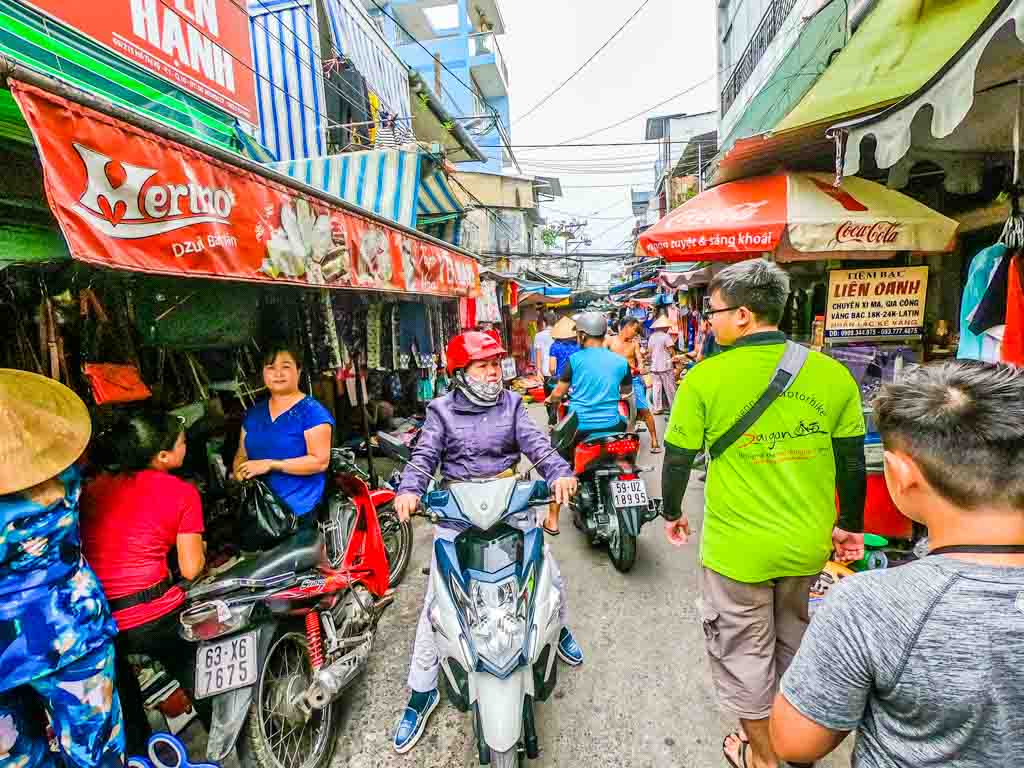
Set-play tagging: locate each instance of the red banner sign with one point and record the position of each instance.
(201, 46)
(128, 199)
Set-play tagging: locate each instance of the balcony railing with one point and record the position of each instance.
(486, 43)
(759, 43)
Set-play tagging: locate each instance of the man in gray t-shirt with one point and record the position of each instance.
(926, 661)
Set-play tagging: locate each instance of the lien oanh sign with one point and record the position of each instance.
(128, 199)
(876, 303)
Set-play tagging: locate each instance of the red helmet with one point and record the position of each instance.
(470, 347)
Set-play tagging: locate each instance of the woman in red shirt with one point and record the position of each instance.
(131, 521)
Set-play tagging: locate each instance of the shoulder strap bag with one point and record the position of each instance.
(793, 358)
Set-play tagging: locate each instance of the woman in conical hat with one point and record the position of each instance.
(55, 626)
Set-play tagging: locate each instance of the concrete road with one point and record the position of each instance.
(642, 698)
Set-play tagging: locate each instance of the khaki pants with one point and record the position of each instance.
(752, 632)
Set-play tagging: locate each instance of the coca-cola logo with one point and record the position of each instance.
(867, 233)
(122, 200)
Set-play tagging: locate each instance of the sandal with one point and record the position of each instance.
(744, 746)
(550, 531)
(656, 449)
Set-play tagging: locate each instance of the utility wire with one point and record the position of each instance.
(582, 66)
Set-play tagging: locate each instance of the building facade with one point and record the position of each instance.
(455, 48)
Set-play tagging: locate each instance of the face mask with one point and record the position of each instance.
(482, 393)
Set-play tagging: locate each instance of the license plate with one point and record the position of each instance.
(629, 493)
(226, 665)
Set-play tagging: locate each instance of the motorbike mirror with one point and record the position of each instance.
(392, 446)
(564, 433)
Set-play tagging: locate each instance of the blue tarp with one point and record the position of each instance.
(545, 290)
(641, 283)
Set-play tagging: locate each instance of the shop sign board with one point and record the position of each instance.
(876, 302)
(125, 198)
(202, 46)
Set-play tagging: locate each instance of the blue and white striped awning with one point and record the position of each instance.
(388, 183)
(289, 77)
(356, 36)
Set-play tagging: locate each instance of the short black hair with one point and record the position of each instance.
(282, 347)
(628, 322)
(137, 441)
(962, 422)
(758, 284)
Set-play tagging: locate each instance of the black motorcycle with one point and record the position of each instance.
(612, 503)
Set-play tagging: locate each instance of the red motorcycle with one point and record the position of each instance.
(280, 636)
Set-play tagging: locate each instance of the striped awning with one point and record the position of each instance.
(389, 183)
(290, 83)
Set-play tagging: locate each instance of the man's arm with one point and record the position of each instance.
(851, 481)
(675, 476)
(826, 689)
(536, 446)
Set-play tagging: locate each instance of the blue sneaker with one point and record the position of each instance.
(569, 650)
(414, 720)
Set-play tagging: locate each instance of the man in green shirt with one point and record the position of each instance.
(770, 510)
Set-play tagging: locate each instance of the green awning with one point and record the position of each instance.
(31, 245)
(898, 48)
(31, 39)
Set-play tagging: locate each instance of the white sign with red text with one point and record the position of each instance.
(886, 302)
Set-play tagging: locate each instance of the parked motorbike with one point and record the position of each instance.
(280, 636)
(612, 503)
(495, 609)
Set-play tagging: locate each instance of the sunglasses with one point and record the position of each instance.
(708, 311)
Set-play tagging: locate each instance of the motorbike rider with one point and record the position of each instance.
(477, 431)
(599, 379)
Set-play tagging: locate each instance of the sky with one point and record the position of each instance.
(669, 46)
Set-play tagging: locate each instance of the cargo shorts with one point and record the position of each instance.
(751, 632)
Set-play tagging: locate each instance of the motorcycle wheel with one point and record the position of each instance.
(622, 550)
(397, 543)
(513, 758)
(275, 736)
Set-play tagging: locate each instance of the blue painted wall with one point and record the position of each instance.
(454, 52)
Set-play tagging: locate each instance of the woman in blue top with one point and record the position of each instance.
(562, 348)
(56, 631)
(288, 437)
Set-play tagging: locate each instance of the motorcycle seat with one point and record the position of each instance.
(302, 552)
(607, 437)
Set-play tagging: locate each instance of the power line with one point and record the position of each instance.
(582, 66)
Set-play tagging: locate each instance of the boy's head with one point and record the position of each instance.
(954, 431)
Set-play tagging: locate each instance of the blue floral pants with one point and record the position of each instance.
(82, 702)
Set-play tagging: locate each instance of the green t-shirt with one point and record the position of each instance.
(769, 502)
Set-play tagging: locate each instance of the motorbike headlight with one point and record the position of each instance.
(497, 620)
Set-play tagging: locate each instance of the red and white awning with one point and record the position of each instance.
(798, 217)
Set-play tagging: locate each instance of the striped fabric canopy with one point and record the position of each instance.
(388, 183)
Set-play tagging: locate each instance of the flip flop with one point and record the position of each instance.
(550, 531)
(744, 746)
(656, 449)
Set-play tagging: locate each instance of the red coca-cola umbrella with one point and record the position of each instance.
(798, 217)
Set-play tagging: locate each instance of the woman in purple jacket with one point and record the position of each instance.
(476, 432)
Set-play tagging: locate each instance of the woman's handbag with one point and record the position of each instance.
(112, 383)
(265, 518)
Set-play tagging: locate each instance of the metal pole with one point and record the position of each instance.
(700, 169)
(361, 402)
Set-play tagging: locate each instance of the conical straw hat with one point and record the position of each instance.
(564, 329)
(661, 322)
(44, 428)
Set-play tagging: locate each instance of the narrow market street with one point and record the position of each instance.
(642, 698)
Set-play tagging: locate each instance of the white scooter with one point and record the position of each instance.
(495, 610)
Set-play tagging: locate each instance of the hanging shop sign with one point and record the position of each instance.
(886, 302)
(128, 199)
(201, 46)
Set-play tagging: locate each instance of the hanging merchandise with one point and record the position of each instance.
(333, 346)
(415, 329)
(991, 309)
(111, 383)
(467, 313)
(373, 336)
(488, 310)
(1013, 336)
(979, 276)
